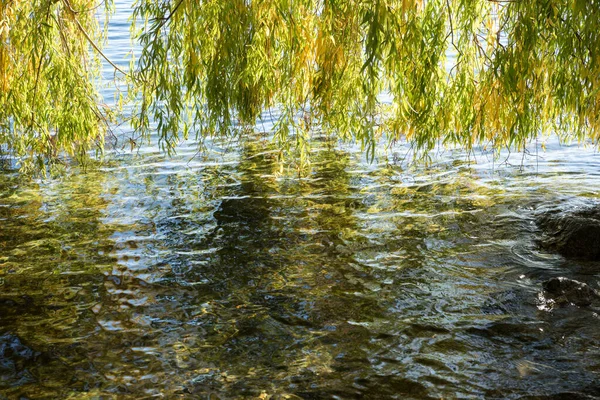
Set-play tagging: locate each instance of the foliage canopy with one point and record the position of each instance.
(458, 72)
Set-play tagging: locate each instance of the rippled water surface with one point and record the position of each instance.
(218, 275)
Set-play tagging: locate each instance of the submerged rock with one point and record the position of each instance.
(563, 290)
(15, 357)
(574, 233)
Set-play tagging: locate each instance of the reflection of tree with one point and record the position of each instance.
(54, 250)
(273, 275)
(228, 279)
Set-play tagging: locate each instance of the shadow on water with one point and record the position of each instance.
(225, 278)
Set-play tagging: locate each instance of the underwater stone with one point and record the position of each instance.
(564, 290)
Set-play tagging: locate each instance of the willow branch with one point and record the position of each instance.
(89, 39)
(168, 17)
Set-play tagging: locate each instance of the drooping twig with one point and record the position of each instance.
(89, 39)
(166, 19)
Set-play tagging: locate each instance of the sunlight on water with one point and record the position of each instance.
(219, 274)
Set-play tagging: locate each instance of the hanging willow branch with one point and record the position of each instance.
(463, 72)
(458, 72)
(48, 65)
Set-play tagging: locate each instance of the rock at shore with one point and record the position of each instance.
(573, 233)
(563, 290)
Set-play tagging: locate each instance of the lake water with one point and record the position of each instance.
(218, 275)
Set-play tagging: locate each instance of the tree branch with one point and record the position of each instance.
(89, 39)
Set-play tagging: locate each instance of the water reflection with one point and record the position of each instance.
(222, 277)
(52, 267)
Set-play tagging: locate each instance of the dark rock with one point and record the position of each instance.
(15, 357)
(12, 350)
(564, 290)
(574, 233)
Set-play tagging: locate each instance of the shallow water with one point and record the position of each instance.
(218, 275)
